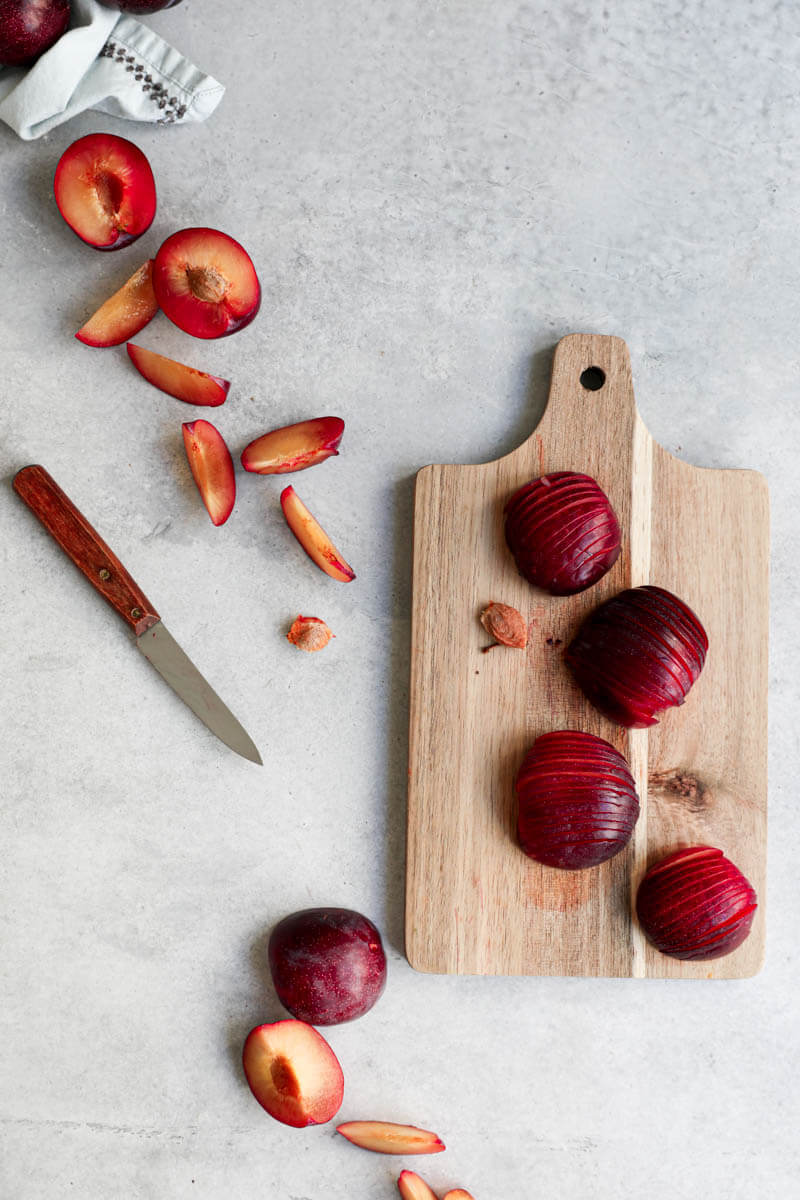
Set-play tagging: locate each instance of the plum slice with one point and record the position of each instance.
(178, 380)
(457, 1194)
(206, 283)
(412, 1186)
(105, 190)
(212, 467)
(294, 447)
(313, 538)
(386, 1137)
(124, 313)
(293, 1073)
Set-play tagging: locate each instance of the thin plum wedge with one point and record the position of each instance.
(125, 313)
(178, 380)
(385, 1137)
(206, 283)
(105, 190)
(212, 467)
(313, 538)
(457, 1194)
(413, 1187)
(294, 447)
(293, 1073)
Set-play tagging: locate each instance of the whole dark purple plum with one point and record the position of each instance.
(29, 27)
(327, 964)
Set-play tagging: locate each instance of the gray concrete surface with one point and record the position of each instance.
(433, 194)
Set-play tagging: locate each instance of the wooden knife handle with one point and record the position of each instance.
(85, 547)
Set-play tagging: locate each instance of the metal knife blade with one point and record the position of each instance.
(174, 666)
(90, 554)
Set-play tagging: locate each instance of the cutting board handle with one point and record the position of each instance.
(76, 537)
(591, 383)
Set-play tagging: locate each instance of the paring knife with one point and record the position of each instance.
(105, 572)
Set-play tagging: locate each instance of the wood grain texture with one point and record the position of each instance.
(90, 554)
(474, 902)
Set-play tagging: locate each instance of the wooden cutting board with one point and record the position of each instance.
(475, 904)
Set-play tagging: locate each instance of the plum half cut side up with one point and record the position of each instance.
(293, 1073)
(105, 190)
(206, 283)
(212, 468)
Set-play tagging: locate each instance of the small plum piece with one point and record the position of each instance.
(178, 380)
(384, 1137)
(206, 283)
(105, 190)
(412, 1187)
(294, 447)
(212, 467)
(328, 964)
(457, 1194)
(29, 27)
(124, 313)
(310, 634)
(695, 904)
(293, 1073)
(313, 538)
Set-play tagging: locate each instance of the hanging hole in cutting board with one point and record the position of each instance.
(593, 379)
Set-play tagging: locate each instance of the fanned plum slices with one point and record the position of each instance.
(206, 283)
(637, 654)
(577, 800)
(212, 467)
(125, 313)
(313, 538)
(385, 1137)
(178, 380)
(294, 447)
(562, 532)
(413, 1187)
(695, 904)
(105, 190)
(293, 1073)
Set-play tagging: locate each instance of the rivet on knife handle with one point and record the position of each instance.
(76, 537)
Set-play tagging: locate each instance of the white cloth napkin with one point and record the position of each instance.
(109, 62)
